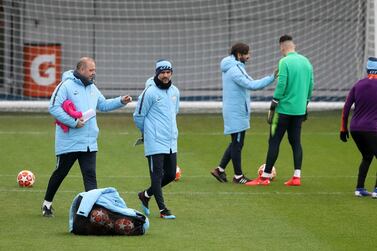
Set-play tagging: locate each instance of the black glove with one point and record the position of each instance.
(271, 112)
(344, 135)
(276, 73)
(140, 140)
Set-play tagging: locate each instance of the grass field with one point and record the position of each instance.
(322, 214)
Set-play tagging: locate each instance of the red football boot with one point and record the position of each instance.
(258, 181)
(294, 181)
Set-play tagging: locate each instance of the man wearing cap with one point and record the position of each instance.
(291, 97)
(155, 116)
(363, 125)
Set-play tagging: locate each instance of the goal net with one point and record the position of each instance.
(40, 39)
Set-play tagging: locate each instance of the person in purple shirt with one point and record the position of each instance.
(363, 124)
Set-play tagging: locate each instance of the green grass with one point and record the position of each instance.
(322, 214)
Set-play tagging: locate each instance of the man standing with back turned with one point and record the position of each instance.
(292, 94)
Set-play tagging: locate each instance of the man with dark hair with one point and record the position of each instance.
(155, 116)
(80, 143)
(363, 124)
(284, 38)
(292, 94)
(236, 108)
(241, 48)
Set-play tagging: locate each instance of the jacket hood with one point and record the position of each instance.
(68, 75)
(228, 62)
(71, 75)
(150, 82)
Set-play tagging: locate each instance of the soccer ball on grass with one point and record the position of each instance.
(25, 178)
(261, 170)
(178, 174)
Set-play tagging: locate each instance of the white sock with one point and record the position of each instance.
(47, 204)
(146, 194)
(297, 173)
(221, 169)
(238, 176)
(266, 175)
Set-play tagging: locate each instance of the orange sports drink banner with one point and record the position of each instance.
(42, 69)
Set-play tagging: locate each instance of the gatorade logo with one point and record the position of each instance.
(43, 69)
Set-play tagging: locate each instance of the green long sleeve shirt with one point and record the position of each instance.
(295, 84)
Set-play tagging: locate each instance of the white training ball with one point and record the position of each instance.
(25, 178)
(178, 174)
(261, 170)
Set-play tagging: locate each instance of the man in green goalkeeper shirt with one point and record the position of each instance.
(288, 109)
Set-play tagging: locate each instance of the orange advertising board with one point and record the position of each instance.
(42, 69)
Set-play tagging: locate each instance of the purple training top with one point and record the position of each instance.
(364, 95)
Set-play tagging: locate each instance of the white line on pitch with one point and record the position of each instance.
(31, 190)
(185, 176)
(136, 133)
(24, 133)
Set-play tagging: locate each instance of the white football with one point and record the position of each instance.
(261, 170)
(100, 216)
(124, 226)
(25, 178)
